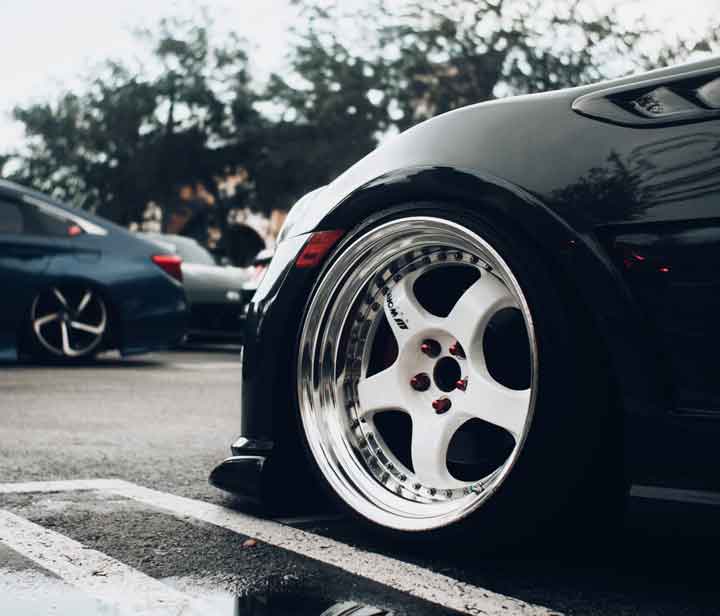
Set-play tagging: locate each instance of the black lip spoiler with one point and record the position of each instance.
(239, 475)
(252, 472)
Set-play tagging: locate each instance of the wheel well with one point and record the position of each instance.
(584, 323)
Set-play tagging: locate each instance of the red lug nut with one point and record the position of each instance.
(430, 347)
(441, 405)
(461, 384)
(420, 382)
(457, 350)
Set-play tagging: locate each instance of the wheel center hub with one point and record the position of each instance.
(446, 373)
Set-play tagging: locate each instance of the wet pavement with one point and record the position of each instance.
(163, 420)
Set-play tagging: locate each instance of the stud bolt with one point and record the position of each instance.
(457, 350)
(420, 382)
(461, 384)
(441, 405)
(430, 347)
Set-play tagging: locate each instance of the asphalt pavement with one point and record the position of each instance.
(105, 509)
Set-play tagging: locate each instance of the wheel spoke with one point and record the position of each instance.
(499, 405)
(50, 318)
(67, 349)
(383, 391)
(61, 298)
(476, 306)
(84, 302)
(431, 435)
(90, 329)
(403, 311)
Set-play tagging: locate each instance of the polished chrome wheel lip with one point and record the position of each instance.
(324, 389)
(69, 320)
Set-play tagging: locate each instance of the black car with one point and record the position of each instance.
(76, 284)
(504, 315)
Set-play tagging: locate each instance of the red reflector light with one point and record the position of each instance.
(74, 230)
(317, 247)
(170, 264)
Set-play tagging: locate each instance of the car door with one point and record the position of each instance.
(29, 240)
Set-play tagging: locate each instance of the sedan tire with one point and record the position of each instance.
(447, 378)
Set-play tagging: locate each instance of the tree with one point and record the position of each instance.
(355, 76)
(326, 120)
(461, 52)
(428, 58)
(138, 131)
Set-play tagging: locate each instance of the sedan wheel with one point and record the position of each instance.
(417, 373)
(68, 322)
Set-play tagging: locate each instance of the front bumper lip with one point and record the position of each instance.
(241, 473)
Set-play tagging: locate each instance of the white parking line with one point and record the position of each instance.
(309, 519)
(46, 487)
(214, 367)
(91, 571)
(405, 577)
(698, 497)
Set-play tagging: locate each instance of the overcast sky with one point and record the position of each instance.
(46, 44)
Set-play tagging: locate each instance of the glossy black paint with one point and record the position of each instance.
(147, 307)
(584, 190)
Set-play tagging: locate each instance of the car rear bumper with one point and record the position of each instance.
(162, 328)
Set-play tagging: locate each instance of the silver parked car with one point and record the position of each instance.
(217, 294)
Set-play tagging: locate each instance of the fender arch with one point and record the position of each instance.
(577, 256)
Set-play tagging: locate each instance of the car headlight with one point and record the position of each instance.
(297, 213)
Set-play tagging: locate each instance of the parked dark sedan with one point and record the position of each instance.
(76, 284)
(502, 316)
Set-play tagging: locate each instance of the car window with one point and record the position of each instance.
(40, 221)
(11, 219)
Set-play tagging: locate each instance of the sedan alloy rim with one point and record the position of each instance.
(69, 322)
(414, 392)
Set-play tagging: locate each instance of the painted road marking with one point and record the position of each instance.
(214, 367)
(29, 592)
(698, 497)
(404, 577)
(46, 487)
(310, 519)
(93, 572)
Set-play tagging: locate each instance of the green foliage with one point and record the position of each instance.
(352, 78)
(136, 132)
(327, 122)
(433, 57)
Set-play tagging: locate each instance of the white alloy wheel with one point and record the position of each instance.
(69, 322)
(416, 373)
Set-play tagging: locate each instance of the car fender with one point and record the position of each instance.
(579, 255)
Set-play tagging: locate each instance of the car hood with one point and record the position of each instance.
(211, 283)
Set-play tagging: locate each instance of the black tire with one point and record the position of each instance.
(568, 479)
